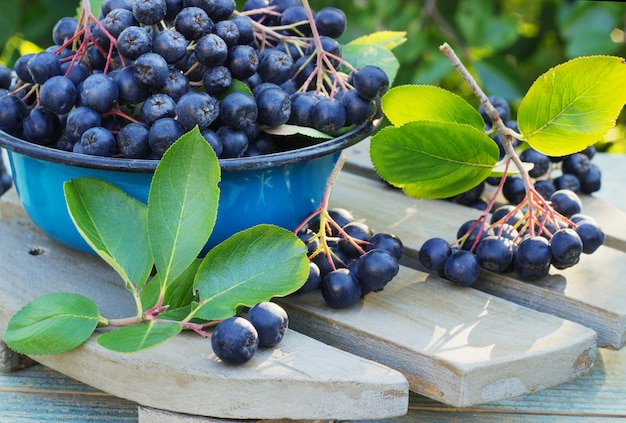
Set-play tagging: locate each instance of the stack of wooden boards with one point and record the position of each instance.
(460, 346)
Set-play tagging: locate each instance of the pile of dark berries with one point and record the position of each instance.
(347, 259)
(132, 79)
(533, 231)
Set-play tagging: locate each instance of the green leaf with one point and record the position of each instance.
(251, 266)
(178, 293)
(408, 103)
(433, 159)
(290, 130)
(573, 105)
(113, 224)
(236, 86)
(359, 55)
(131, 339)
(385, 39)
(182, 204)
(52, 324)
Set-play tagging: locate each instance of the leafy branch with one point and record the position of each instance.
(439, 148)
(166, 235)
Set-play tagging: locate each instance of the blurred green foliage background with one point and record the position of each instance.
(507, 44)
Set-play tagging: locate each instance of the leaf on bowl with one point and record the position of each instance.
(386, 39)
(113, 223)
(359, 55)
(182, 204)
(291, 130)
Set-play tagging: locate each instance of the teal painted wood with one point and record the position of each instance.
(39, 394)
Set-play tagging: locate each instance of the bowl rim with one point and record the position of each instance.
(51, 154)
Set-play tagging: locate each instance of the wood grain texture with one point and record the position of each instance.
(152, 415)
(590, 293)
(40, 394)
(455, 345)
(184, 375)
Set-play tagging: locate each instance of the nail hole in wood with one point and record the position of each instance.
(36, 251)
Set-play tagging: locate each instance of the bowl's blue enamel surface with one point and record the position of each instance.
(282, 188)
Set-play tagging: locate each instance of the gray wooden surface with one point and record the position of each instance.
(40, 394)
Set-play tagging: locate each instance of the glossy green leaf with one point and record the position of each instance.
(52, 324)
(251, 266)
(140, 337)
(433, 159)
(113, 224)
(573, 104)
(359, 55)
(290, 130)
(178, 293)
(236, 86)
(182, 204)
(408, 103)
(386, 39)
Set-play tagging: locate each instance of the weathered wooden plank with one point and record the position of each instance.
(590, 293)
(184, 375)
(458, 346)
(599, 395)
(152, 415)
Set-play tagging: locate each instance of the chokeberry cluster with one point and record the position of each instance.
(132, 80)
(531, 233)
(347, 259)
(236, 339)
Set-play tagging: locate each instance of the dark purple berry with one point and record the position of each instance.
(462, 268)
(340, 288)
(235, 340)
(331, 22)
(434, 253)
(270, 321)
(371, 82)
(532, 258)
(98, 141)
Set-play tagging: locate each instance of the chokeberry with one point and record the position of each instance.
(270, 321)
(235, 340)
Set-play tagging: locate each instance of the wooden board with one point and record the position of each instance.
(183, 375)
(598, 396)
(591, 293)
(455, 345)
(440, 358)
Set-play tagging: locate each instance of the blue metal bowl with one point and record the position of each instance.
(281, 188)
